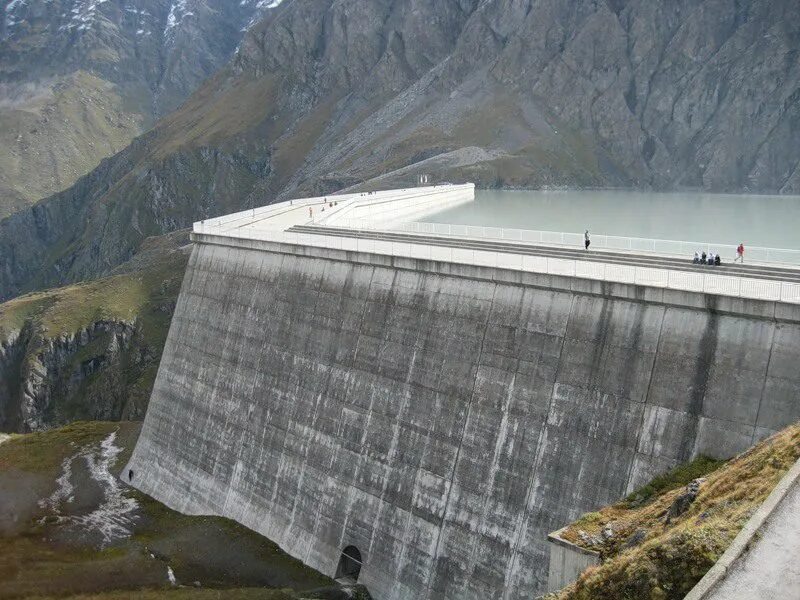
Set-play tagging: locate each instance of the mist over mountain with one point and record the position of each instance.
(79, 79)
(324, 95)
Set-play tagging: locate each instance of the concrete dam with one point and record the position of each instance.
(420, 411)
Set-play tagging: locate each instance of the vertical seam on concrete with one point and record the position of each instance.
(434, 563)
(775, 326)
(339, 431)
(646, 397)
(512, 564)
(390, 457)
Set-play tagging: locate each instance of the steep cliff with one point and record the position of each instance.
(88, 351)
(80, 79)
(327, 94)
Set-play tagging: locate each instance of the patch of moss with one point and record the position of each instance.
(677, 477)
(160, 523)
(43, 452)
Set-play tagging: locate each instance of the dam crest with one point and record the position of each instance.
(421, 410)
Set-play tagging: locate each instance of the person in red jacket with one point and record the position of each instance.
(739, 253)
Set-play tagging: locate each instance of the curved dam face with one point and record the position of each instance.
(442, 418)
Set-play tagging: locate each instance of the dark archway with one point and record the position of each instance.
(349, 564)
(130, 474)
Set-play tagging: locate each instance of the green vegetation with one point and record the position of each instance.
(677, 477)
(646, 558)
(193, 593)
(54, 133)
(43, 452)
(125, 297)
(70, 332)
(44, 557)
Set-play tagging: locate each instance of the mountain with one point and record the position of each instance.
(323, 95)
(79, 79)
(91, 350)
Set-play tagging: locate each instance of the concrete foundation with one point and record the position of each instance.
(567, 561)
(442, 418)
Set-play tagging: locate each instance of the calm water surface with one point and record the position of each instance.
(757, 220)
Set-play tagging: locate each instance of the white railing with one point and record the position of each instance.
(397, 206)
(607, 242)
(726, 285)
(377, 208)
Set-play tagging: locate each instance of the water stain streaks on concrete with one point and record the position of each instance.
(441, 418)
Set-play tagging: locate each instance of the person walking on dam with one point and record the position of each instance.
(739, 253)
(586, 240)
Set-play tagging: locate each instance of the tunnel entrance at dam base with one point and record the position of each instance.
(349, 564)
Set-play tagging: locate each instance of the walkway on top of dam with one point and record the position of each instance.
(376, 223)
(760, 271)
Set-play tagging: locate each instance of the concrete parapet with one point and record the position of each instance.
(761, 309)
(567, 561)
(377, 207)
(393, 206)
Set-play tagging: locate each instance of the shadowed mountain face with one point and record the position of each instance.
(79, 79)
(326, 94)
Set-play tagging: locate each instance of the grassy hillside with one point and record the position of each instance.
(646, 557)
(56, 130)
(91, 350)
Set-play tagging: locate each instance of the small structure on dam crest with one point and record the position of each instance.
(419, 412)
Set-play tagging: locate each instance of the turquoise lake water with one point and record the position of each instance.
(756, 220)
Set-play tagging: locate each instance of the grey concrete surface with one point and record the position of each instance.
(645, 259)
(442, 418)
(761, 560)
(771, 568)
(567, 561)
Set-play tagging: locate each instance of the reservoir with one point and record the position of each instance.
(756, 220)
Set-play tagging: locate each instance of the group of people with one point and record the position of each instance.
(330, 205)
(713, 259)
(700, 258)
(706, 259)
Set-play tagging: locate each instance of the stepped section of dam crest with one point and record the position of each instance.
(442, 418)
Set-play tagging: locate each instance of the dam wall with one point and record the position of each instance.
(442, 418)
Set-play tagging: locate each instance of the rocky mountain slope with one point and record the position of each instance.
(89, 351)
(325, 95)
(79, 79)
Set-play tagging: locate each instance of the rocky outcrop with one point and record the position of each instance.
(89, 351)
(684, 501)
(12, 353)
(73, 377)
(325, 94)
